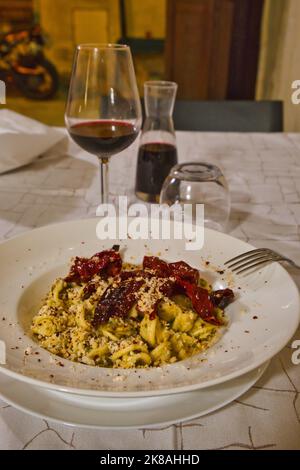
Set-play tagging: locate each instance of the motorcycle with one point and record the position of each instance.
(22, 61)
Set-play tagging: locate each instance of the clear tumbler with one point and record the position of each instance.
(199, 183)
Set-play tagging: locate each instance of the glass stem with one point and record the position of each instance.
(103, 180)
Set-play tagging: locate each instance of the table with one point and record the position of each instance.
(263, 172)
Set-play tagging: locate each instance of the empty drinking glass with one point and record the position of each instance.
(199, 183)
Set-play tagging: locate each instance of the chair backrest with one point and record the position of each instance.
(229, 116)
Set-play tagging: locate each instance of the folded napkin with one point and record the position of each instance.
(22, 139)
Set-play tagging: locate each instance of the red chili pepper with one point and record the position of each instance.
(222, 298)
(187, 281)
(201, 301)
(163, 269)
(116, 301)
(184, 271)
(106, 263)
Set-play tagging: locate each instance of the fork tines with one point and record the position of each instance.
(251, 259)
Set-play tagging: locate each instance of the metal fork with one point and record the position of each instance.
(252, 259)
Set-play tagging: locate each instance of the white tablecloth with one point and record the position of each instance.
(263, 171)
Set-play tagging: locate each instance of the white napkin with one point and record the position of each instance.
(22, 139)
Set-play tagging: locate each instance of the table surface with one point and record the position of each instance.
(263, 172)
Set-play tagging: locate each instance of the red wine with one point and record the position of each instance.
(103, 137)
(155, 161)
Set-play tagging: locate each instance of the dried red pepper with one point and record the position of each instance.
(185, 272)
(163, 269)
(201, 301)
(221, 298)
(158, 266)
(186, 281)
(106, 263)
(182, 278)
(117, 301)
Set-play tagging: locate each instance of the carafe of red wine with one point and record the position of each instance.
(157, 151)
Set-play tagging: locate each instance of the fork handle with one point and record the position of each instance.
(291, 262)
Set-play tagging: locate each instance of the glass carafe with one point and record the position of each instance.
(157, 150)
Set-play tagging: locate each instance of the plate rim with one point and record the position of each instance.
(259, 372)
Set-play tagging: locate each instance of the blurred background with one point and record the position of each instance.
(213, 49)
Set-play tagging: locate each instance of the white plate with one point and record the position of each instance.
(32, 261)
(126, 413)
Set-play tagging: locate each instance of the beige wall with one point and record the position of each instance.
(146, 17)
(280, 56)
(69, 22)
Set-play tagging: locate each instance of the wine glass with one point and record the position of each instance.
(103, 112)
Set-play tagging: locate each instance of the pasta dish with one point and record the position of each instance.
(111, 314)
